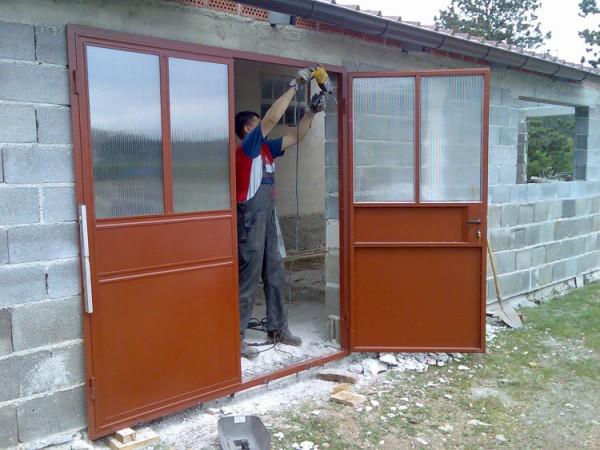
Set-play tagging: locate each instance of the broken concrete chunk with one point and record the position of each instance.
(349, 398)
(478, 423)
(143, 438)
(341, 387)
(446, 428)
(125, 435)
(372, 366)
(341, 376)
(355, 368)
(388, 358)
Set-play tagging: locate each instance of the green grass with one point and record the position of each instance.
(533, 373)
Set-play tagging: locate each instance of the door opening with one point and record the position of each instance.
(307, 184)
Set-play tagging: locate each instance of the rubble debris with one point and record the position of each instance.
(446, 428)
(279, 435)
(349, 398)
(143, 437)
(421, 441)
(388, 358)
(341, 387)
(355, 367)
(478, 423)
(500, 438)
(341, 376)
(373, 366)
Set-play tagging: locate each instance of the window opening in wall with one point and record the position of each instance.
(314, 311)
(550, 143)
(272, 87)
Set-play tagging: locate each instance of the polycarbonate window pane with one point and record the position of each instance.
(124, 91)
(383, 139)
(199, 135)
(451, 138)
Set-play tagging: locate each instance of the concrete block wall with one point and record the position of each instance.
(41, 354)
(332, 201)
(503, 136)
(542, 235)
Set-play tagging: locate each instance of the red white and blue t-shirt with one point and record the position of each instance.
(255, 163)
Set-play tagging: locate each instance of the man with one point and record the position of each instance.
(258, 252)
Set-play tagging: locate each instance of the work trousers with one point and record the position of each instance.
(258, 255)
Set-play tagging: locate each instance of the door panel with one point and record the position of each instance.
(157, 145)
(419, 212)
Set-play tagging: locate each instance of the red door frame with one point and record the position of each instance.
(351, 206)
(79, 35)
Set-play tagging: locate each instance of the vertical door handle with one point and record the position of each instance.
(85, 260)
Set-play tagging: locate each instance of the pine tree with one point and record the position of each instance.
(591, 37)
(513, 22)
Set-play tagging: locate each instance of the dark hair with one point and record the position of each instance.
(241, 120)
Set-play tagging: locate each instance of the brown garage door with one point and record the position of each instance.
(154, 157)
(419, 151)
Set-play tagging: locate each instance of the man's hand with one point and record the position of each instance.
(303, 77)
(317, 103)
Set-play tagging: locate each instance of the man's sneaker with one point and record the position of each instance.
(248, 351)
(284, 337)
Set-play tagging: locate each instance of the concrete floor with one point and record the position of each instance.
(307, 318)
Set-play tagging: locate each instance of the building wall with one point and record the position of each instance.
(555, 226)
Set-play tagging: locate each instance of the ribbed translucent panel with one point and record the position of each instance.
(451, 138)
(383, 140)
(199, 135)
(124, 91)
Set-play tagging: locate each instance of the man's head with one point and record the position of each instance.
(245, 122)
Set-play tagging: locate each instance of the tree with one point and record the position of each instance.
(513, 22)
(550, 147)
(591, 37)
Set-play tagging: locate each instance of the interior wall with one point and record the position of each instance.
(311, 169)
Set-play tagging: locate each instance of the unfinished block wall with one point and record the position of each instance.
(41, 355)
(547, 234)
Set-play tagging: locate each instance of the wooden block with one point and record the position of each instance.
(125, 435)
(143, 438)
(348, 398)
(341, 376)
(341, 387)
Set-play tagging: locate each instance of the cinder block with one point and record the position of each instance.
(515, 283)
(517, 238)
(559, 271)
(541, 211)
(34, 83)
(331, 153)
(56, 369)
(19, 206)
(499, 239)
(538, 256)
(45, 323)
(6, 346)
(332, 267)
(12, 372)
(505, 262)
(332, 298)
(499, 194)
(9, 436)
(568, 208)
(544, 275)
(54, 125)
(58, 412)
(38, 165)
(16, 41)
(331, 126)
(42, 242)
(332, 207)
(333, 234)
(582, 206)
(526, 214)
(59, 204)
(509, 136)
(494, 216)
(64, 279)
(564, 229)
(546, 232)
(510, 216)
(523, 259)
(553, 252)
(3, 247)
(51, 44)
(331, 180)
(18, 123)
(499, 115)
(532, 235)
(22, 285)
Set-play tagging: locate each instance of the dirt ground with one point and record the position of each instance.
(537, 387)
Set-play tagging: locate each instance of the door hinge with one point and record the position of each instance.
(93, 388)
(74, 76)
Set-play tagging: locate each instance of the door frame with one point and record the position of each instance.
(485, 72)
(77, 36)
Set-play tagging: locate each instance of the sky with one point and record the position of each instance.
(558, 16)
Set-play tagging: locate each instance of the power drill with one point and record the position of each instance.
(322, 78)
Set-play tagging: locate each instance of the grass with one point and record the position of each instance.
(538, 387)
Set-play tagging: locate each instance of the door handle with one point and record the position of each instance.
(85, 260)
(474, 221)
